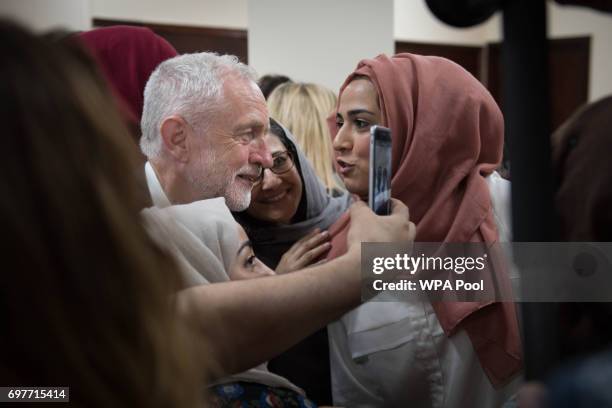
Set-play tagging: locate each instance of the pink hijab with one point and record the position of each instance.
(447, 137)
(127, 56)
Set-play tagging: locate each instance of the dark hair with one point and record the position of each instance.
(277, 130)
(85, 299)
(268, 83)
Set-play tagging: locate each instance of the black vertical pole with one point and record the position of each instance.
(526, 111)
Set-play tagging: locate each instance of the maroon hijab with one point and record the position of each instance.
(447, 137)
(127, 56)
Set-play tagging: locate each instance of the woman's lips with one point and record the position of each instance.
(344, 167)
(273, 198)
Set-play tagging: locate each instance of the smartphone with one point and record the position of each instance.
(379, 196)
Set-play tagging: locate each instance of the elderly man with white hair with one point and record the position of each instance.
(204, 128)
(204, 122)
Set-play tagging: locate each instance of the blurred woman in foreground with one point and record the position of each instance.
(84, 301)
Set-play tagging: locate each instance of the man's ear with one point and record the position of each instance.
(174, 133)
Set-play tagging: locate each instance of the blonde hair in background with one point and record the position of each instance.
(303, 108)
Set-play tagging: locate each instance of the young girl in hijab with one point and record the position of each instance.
(447, 137)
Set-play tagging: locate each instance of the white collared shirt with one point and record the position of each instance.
(158, 196)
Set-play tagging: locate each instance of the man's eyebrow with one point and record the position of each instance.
(245, 244)
(249, 125)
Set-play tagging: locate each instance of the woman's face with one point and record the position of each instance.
(357, 111)
(276, 198)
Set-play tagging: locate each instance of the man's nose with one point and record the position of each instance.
(261, 154)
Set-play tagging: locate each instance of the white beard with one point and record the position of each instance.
(213, 180)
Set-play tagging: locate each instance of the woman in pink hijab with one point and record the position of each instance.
(447, 139)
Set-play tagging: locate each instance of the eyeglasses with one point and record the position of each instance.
(282, 162)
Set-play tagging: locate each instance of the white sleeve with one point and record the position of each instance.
(502, 205)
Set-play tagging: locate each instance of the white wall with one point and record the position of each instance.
(317, 40)
(206, 13)
(42, 15)
(566, 21)
(579, 21)
(331, 32)
(414, 22)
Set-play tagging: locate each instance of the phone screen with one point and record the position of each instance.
(380, 170)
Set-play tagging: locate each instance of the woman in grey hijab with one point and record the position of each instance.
(286, 222)
(289, 204)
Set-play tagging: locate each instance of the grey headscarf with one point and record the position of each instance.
(317, 209)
